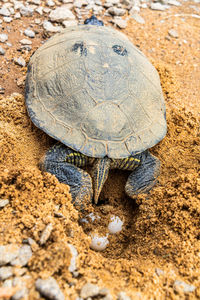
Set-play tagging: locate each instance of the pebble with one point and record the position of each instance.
(3, 202)
(36, 2)
(48, 26)
(17, 15)
(30, 33)
(159, 271)
(115, 11)
(61, 14)
(8, 253)
(72, 267)
(50, 3)
(138, 18)
(89, 290)
(173, 2)
(180, 285)
(5, 272)
(173, 33)
(20, 294)
(19, 61)
(157, 6)
(26, 11)
(4, 12)
(25, 42)
(70, 23)
(120, 22)
(7, 19)
(49, 288)
(3, 37)
(2, 90)
(25, 253)
(46, 234)
(39, 10)
(123, 296)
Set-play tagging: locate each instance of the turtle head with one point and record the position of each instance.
(93, 21)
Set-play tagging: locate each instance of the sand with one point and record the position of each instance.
(160, 239)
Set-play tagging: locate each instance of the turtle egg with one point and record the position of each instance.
(115, 225)
(99, 243)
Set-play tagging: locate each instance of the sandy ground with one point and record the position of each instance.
(160, 240)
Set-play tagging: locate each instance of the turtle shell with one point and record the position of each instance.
(90, 88)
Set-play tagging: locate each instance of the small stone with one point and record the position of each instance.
(17, 15)
(46, 234)
(25, 42)
(173, 33)
(174, 2)
(47, 10)
(48, 26)
(138, 18)
(21, 80)
(25, 253)
(157, 6)
(89, 290)
(39, 10)
(20, 294)
(72, 267)
(120, 22)
(123, 296)
(5, 272)
(49, 288)
(37, 21)
(7, 19)
(4, 12)
(116, 11)
(20, 61)
(50, 3)
(26, 11)
(70, 23)
(180, 285)
(3, 202)
(2, 90)
(30, 33)
(61, 14)
(8, 253)
(3, 37)
(78, 3)
(159, 271)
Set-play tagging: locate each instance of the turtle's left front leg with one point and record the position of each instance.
(144, 177)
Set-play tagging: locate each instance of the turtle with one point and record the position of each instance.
(101, 99)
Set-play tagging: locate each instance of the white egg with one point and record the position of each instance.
(115, 225)
(99, 243)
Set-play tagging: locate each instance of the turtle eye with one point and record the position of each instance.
(120, 50)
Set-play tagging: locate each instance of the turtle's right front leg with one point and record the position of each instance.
(62, 161)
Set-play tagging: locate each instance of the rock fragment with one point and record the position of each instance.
(157, 6)
(46, 234)
(3, 202)
(4, 12)
(3, 37)
(49, 289)
(69, 23)
(89, 290)
(123, 296)
(48, 26)
(5, 272)
(138, 18)
(25, 253)
(180, 285)
(30, 33)
(61, 14)
(26, 11)
(120, 22)
(115, 11)
(173, 33)
(19, 61)
(25, 42)
(8, 253)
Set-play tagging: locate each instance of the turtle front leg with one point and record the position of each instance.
(144, 177)
(64, 163)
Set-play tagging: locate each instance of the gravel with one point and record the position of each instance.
(30, 33)
(49, 289)
(48, 26)
(61, 14)
(19, 61)
(25, 253)
(8, 253)
(4, 12)
(5, 272)
(3, 202)
(46, 234)
(3, 37)
(89, 290)
(173, 33)
(180, 285)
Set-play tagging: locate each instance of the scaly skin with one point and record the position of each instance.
(65, 164)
